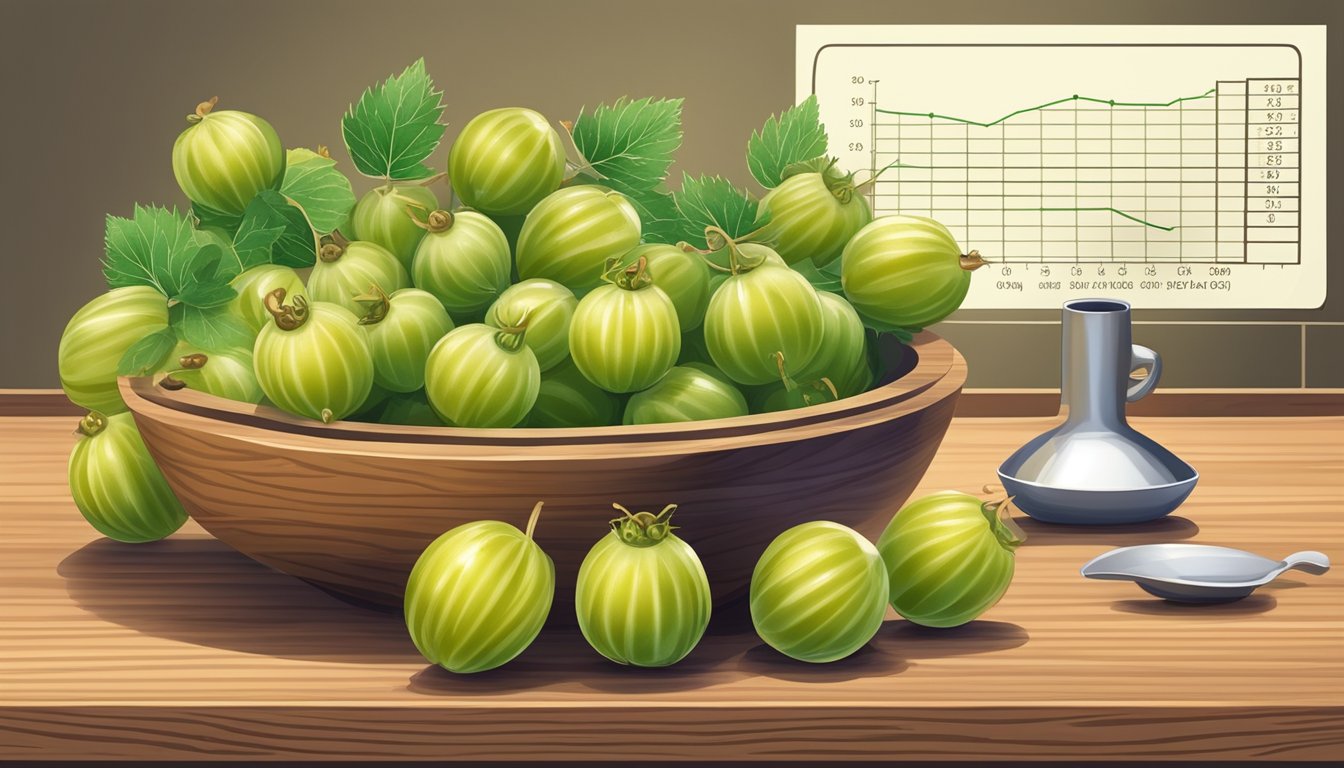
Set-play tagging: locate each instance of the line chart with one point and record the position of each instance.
(1208, 173)
(1081, 167)
(1047, 105)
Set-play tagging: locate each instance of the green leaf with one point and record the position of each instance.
(714, 201)
(206, 289)
(795, 136)
(229, 265)
(211, 328)
(204, 296)
(660, 221)
(902, 333)
(204, 265)
(208, 218)
(297, 246)
(207, 281)
(630, 142)
(154, 247)
(274, 231)
(823, 164)
(395, 126)
(324, 193)
(822, 278)
(262, 225)
(146, 355)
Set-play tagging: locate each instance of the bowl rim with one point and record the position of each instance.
(938, 368)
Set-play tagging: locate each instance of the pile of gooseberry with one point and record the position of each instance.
(532, 302)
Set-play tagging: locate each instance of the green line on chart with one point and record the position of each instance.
(1116, 211)
(899, 164)
(1075, 97)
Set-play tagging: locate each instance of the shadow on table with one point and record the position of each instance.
(198, 590)
(1170, 528)
(561, 658)
(1281, 584)
(913, 641)
(1257, 603)
(869, 661)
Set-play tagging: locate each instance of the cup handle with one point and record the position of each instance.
(1143, 357)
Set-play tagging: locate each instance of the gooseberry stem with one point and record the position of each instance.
(510, 337)
(202, 110)
(972, 261)
(575, 162)
(288, 317)
(868, 182)
(330, 253)
(532, 521)
(378, 303)
(830, 387)
(92, 423)
(193, 362)
(643, 529)
(432, 180)
(755, 235)
(717, 239)
(999, 514)
(789, 383)
(438, 220)
(630, 278)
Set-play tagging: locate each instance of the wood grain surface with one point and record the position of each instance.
(185, 649)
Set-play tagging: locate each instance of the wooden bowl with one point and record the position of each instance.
(349, 506)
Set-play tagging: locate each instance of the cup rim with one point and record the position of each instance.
(1096, 306)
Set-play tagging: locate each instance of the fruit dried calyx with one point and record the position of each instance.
(643, 529)
(288, 317)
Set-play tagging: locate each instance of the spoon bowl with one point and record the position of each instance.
(1198, 573)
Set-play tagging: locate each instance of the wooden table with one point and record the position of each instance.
(184, 649)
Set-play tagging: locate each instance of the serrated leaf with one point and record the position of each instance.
(207, 217)
(660, 221)
(273, 231)
(204, 265)
(794, 136)
(212, 328)
(395, 126)
(630, 142)
(297, 246)
(260, 228)
(313, 181)
(822, 164)
(714, 201)
(229, 265)
(154, 247)
(146, 355)
(204, 295)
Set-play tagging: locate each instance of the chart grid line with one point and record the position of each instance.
(1186, 192)
(946, 167)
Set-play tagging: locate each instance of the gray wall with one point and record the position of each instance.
(95, 93)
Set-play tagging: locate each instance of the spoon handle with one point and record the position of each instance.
(1309, 561)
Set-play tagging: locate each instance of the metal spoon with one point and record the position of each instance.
(1198, 573)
